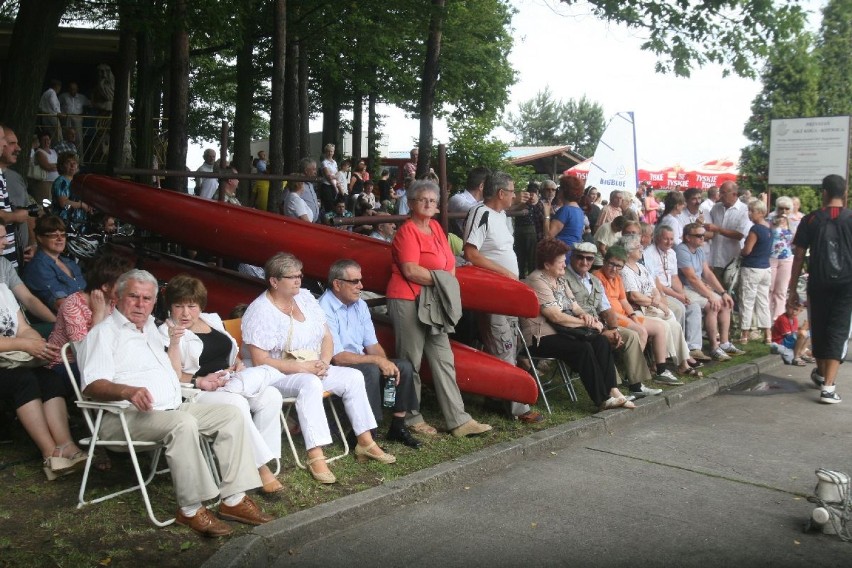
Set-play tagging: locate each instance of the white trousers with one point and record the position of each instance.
(308, 389)
(754, 297)
(676, 347)
(262, 415)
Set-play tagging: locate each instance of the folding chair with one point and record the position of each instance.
(233, 327)
(125, 443)
(549, 383)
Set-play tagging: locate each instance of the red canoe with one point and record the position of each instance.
(253, 236)
(476, 372)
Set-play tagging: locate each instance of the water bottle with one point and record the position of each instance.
(389, 393)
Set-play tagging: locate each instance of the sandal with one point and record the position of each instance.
(690, 372)
(807, 359)
(798, 362)
(325, 477)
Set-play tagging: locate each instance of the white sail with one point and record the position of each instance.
(613, 167)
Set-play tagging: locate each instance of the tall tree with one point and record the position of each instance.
(790, 89)
(544, 121)
(428, 85)
(29, 54)
(178, 94)
(833, 49)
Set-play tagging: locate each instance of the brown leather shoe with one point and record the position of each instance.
(246, 511)
(204, 523)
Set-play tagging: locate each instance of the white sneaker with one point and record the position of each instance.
(731, 350)
(645, 391)
(667, 378)
(719, 355)
(829, 397)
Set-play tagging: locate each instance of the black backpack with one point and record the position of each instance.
(831, 252)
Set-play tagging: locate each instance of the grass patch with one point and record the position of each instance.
(41, 526)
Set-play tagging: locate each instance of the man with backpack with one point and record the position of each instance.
(827, 233)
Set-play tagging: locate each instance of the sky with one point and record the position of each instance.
(678, 120)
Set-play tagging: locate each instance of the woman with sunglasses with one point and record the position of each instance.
(50, 275)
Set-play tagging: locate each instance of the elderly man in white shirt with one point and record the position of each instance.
(49, 109)
(72, 103)
(729, 225)
(123, 359)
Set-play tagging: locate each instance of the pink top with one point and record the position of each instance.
(432, 252)
(73, 322)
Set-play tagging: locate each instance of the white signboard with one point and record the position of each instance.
(802, 151)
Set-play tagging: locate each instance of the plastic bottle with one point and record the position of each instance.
(389, 393)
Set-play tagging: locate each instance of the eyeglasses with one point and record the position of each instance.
(291, 277)
(353, 281)
(584, 258)
(615, 265)
(426, 200)
(56, 236)
(697, 236)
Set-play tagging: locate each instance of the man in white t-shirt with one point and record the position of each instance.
(489, 243)
(467, 200)
(206, 187)
(707, 204)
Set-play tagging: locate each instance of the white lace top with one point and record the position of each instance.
(267, 327)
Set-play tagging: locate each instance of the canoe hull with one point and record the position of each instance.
(253, 236)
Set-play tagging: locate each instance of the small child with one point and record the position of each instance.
(789, 339)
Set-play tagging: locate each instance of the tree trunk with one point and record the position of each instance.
(244, 111)
(121, 100)
(27, 60)
(178, 96)
(304, 106)
(276, 113)
(357, 126)
(292, 147)
(372, 136)
(143, 111)
(330, 116)
(427, 91)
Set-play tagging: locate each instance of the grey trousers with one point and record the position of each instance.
(498, 336)
(180, 429)
(691, 319)
(414, 340)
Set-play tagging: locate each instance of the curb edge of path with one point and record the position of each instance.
(276, 539)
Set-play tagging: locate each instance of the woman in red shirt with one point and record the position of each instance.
(420, 247)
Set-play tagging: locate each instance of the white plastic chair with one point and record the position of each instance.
(289, 404)
(125, 443)
(234, 328)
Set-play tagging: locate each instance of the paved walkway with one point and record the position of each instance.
(721, 480)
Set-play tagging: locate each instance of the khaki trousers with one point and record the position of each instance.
(180, 430)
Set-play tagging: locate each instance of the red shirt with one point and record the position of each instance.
(784, 326)
(432, 252)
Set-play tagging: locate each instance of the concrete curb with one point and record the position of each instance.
(275, 539)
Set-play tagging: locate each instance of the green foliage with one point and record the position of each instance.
(683, 34)
(790, 82)
(471, 145)
(809, 196)
(833, 49)
(544, 121)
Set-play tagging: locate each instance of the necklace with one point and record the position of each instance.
(288, 311)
